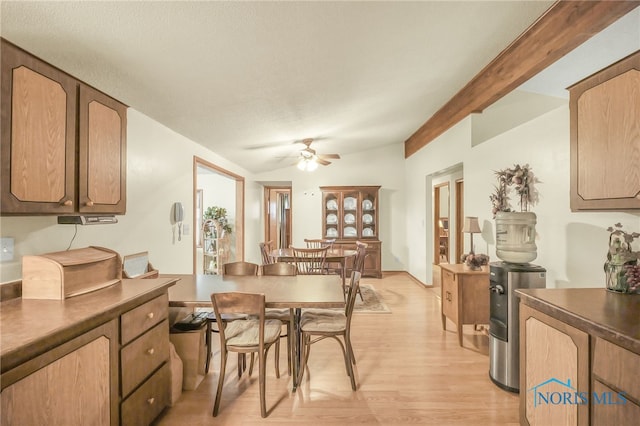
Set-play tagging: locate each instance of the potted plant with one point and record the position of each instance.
(219, 216)
(621, 268)
(515, 230)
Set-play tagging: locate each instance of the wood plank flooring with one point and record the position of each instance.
(409, 371)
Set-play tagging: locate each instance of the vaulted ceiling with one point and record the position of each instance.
(248, 79)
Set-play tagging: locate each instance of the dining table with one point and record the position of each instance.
(334, 255)
(293, 292)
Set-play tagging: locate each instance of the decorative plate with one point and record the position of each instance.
(332, 219)
(367, 205)
(350, 231)
(332, 232)
(350, 203)
(367, 219)
(367, 232)
(332, 205)
(349, 219)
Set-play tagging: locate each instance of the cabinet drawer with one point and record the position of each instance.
(617, 367)
(611, 410)
(149, 400)
(142, 356)
(138, 320)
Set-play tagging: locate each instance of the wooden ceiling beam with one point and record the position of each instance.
(562, 28)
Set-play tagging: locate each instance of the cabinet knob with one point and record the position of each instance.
(151, 351)
(67, 203)
(150, 315)
(150, 401)
(89, 203)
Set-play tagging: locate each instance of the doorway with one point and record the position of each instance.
(441, 226)
(277, 213)
(214, 186)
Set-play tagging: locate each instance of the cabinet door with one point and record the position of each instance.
(369, 212)
(554, 360)
(38, 135)
(350, 214)
(605, 138)
(331, 214)
(102, 153)
(72, 384)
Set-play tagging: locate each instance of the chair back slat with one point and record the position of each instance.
(319, 243)
(354, 286)
(310, 261)
(240, 268)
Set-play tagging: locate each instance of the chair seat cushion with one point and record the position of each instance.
(245, 332)
(323, 320)
(279, 314)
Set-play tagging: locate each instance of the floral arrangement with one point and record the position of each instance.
(218, 214)
(622, 262)
(523, 180)
(474, 261)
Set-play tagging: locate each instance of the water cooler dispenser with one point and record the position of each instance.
(504, 342)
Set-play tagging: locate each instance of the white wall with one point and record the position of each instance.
(572, 246)
(381, 166)
(159, 173)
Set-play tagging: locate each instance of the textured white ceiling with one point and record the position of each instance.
(237, 76)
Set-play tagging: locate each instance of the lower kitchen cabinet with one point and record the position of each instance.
(579, 357)
(68, 385)
(116, 372)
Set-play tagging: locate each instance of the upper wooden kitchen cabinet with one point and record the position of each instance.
(63, 146)
(605, 138)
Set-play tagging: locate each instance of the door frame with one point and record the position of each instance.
(267, 215)
(239, 217)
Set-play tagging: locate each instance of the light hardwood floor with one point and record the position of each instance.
(408, 370)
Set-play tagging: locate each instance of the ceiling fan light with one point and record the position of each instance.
(302, 164)
(312, 165)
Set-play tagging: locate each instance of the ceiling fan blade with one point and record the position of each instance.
(332, 156)
(323, 162)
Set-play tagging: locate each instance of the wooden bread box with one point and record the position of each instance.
(65, 274)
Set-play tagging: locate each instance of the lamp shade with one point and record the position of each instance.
(471, 225)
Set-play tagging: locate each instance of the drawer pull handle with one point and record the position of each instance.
(151, 351)
(150, 401)
(150, 315)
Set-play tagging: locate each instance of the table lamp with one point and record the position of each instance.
(471, 226)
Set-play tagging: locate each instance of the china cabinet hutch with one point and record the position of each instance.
(350, 214)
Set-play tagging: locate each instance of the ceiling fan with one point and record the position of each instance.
(309, 159)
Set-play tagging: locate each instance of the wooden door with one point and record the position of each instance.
(278, 216)
(102, 153)
(38, 135)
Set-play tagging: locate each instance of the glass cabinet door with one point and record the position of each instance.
(368, 214)
(332, 214)
(350, 214)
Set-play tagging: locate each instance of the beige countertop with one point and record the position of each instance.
(29, 327)
(614, 317)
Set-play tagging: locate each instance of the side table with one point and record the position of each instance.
(465, 296)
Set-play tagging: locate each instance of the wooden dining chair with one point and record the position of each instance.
(310, 261)
(230, 269)
(328, 243)
(240, 268)
(265, 248)
(284, 315)
(319, 324)
(358, 263)
(255, 334)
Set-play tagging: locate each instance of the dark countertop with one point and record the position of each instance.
(612, 316)
(30, 327)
